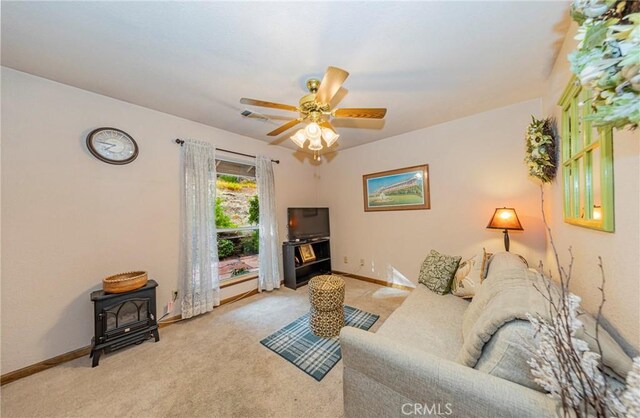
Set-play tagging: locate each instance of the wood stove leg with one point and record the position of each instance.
(96, 357)
(156, 335)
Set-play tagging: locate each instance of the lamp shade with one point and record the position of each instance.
(315, 144)
(312, 131)
(299, 138)
(329, 136)
(505, 218)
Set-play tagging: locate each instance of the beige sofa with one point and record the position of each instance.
(408, 368)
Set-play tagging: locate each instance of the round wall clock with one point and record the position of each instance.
(112, 146)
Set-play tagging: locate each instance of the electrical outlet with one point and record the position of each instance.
(346, 260)
(362, 262)
(174, 297)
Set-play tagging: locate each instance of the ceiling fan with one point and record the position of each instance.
(315, 109)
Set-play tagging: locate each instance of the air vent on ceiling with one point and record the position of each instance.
(254, 115)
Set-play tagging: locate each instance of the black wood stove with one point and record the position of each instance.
(122, 319)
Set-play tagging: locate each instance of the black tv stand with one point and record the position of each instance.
(298, 274)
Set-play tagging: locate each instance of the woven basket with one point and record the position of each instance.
(125, 282)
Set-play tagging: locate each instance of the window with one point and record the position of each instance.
(587, 163)
(237, 217)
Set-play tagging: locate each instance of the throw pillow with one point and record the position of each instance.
(468, 276)
(437, 271)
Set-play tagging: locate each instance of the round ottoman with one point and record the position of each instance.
(326, 295)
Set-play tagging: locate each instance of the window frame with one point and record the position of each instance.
(252, 274)
(577, 151)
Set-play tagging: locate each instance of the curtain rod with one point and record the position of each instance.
(180, 142)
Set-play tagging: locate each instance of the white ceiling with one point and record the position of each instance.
(426, 62)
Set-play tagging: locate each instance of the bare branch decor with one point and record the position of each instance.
(564, 365)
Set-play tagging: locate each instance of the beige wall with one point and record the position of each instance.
(475, 165)
(68, 219)
(620, 251)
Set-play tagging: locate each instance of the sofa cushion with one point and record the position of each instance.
(429, 322)
(437, 271)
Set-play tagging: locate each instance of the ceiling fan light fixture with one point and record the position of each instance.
(315, 110)
(313, 131)
(299, 138)
(330, 137)
(315, 144)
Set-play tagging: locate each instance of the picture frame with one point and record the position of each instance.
(401, 189)
(307, 254)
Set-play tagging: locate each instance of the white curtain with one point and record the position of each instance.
(200, 284)
(269, 272)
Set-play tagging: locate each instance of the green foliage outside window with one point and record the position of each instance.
(225, 248)
(227, 178)
(222, 219)
(239, 272)
(251, 243)
(254, 210)
(237, 218)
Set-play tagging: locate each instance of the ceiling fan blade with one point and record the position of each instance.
(284, 127)
(327, 124)
(330, 84)
(262, 103)
(358, 112)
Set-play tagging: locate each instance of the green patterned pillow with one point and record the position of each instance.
(437, 271)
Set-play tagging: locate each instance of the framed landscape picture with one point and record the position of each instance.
(401, 189)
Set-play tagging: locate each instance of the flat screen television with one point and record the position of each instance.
(307, 223)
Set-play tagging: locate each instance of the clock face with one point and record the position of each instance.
(112, 146)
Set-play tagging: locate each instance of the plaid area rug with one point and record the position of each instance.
(314, 355)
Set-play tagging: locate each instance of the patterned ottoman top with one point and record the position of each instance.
(326, 282)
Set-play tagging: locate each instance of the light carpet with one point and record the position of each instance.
(208, 366)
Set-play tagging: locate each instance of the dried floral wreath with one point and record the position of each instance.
(541, 150)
